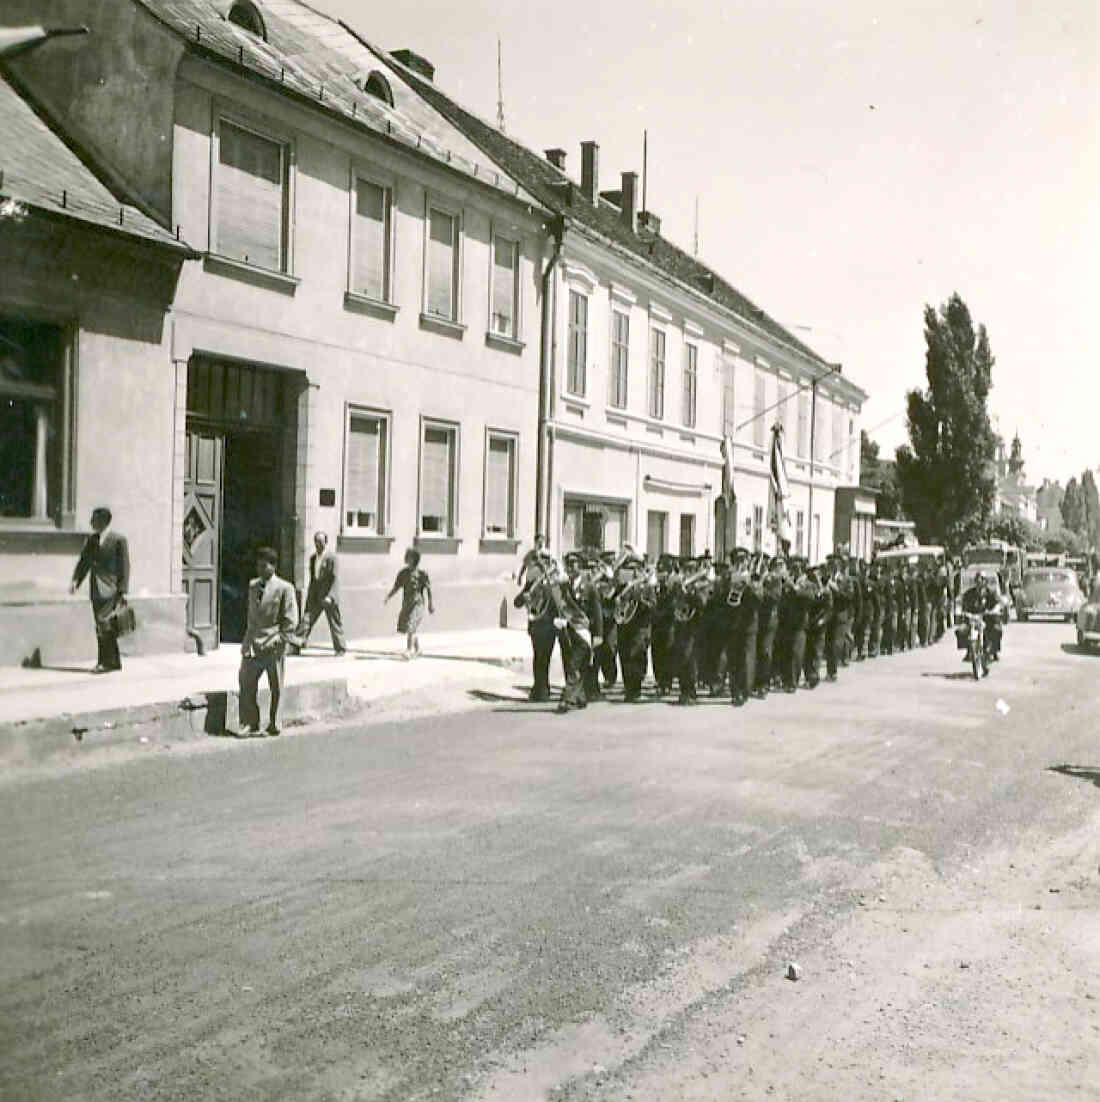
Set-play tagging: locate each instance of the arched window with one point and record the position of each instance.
(379, 87)
(246, 16)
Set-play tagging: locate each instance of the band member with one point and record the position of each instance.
(606, 657)
(664, 671)
(797, 603)
(574, 631)
(635, 598)
(587, 592)
(889, 600)
(820, 611)
(873, 595)
(688, 597)
(536, 598)
(771, 590)
(745, 621)
(838, 624)
(857, 572)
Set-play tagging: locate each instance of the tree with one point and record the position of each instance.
(878, 474)
(1091, 501)
(1065, 541)
(944, 473)
(1017, 530)
(1073, 507)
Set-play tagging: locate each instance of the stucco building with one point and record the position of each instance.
(353, 348)
(650, 361)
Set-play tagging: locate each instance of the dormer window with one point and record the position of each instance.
(246, 16)
(379, 87)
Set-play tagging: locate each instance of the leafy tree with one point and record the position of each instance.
(1066, 541)
(944, 473)
(1091, 501)
(1073, 507)
(878, 474)
(1017, 530)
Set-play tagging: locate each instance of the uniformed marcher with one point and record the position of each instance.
(664, 672)
(820, 611)
(574, 631)
(537, 599)
(771, 591)
(635, 598)
(744, 603)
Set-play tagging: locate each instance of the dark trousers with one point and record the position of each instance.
(543, 636)
(106, 640)
(335, 625)
(249, 679)
(836, 642)
(815, 650)
(684, 655)
(765, 649)
(795, 659)
(633, 657)
(742, 663)
(874, 633)
(922, 624)
(606, 656)
(664, 668)
(576, 657)
(889, 631)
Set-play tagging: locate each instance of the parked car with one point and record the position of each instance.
(993, 579)
(1049, 592)
(1088, 620)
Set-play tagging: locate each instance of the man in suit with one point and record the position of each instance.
(106, 557)
(323, 595)
(272, 616)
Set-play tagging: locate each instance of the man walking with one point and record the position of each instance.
(323, 595)
(106, 557)
(272, 616)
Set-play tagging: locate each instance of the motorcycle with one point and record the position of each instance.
(972, 636)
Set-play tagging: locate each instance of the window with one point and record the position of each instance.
(758, 527)
(817, 538)
(438, 479)
(245, 16)
(657, 373)
(803, 425)
(687, 535)
(656, 523)
(371, 263)
(500, 486)
(799, 532)
(441, 297)
(578, 344)
(31, 422)
(251, 198)
(786, 418)
(365, 471)
(729, 411)
(620, 352)
(837, 451)
(376, 85)
(504, 304)
(759, 401)
(819, 431)
(691, 383)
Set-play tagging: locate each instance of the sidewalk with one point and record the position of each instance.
(42, 708)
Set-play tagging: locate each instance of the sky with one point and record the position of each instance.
(852, 162)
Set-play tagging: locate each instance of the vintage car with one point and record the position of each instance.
(1088, 620)
(1050, 591)
(969, 576)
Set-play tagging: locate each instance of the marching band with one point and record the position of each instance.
(743, 628)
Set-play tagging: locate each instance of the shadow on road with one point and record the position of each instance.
(1078, 772)
(961, 675)
(1073, 648)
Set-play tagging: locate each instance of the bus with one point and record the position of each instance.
(1008, 561)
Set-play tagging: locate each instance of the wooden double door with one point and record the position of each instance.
(231, 496)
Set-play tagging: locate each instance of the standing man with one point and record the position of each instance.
(323, 595)
(106, 556)
(536, 598)
(575, 636)
(272, 616)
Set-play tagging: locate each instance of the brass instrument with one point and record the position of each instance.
(686, 608)
(626, 603)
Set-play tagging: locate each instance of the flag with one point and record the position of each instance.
(780, 489)
(728, 496)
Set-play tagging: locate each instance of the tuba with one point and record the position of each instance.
(626, 603)
(739, 582)
(685, 608)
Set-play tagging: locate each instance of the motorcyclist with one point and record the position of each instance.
(982, 599)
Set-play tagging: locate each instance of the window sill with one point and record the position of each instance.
(377, 545)
(363, 304)
(19, 533)
(508, 344)
(250, 273)
(443, 325)
(437, 545)
(498, 545)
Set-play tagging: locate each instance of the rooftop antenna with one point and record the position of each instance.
(645, 168)
(500, 88)
(695, 240)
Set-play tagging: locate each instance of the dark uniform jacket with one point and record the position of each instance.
(106, 557)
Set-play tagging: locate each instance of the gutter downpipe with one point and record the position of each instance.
(544, 457)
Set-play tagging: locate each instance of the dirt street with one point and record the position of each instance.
(500, 903)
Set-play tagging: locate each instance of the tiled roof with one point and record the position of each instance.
(315, 57)
(544, 181)
(37, 169)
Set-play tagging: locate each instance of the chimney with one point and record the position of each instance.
(628, 208)
(590, 172)
(415, 62)
(557, 158)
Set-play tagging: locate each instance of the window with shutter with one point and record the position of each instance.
(657, 373)
(505, 305)
(656, 524)
(437, 480)
(578, 344)
(691, 383)
(729, 411)
(803, 425)
(251, 202)
(365, 474)
(820, 443)
(759, 401)
(500, 474)
(370, 251)
(620, 349)
(835, 455)
(442, 264)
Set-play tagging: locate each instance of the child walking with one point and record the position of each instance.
(416, 588)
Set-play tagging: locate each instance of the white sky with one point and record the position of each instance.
(853, 161)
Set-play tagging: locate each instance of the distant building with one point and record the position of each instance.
(1048, 506)
(1013, 496)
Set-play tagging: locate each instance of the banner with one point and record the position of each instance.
(780, 490)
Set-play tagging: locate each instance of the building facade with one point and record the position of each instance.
(355, 350)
